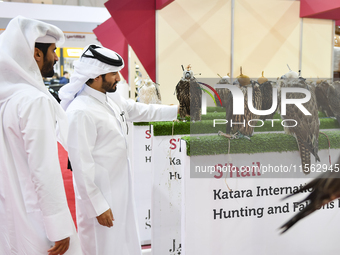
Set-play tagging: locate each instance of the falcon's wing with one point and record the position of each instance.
(325, 189)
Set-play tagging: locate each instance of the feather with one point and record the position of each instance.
(325, 189)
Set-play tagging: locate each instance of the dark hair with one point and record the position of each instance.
(90, 81)
(43, 47)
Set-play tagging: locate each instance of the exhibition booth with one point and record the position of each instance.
(197, 191)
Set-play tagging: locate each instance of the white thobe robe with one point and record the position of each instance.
(98, 152)
(33, 206)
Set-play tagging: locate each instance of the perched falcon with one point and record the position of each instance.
(149, 93)
(222, 92)
(189, 95)
(325, 189)
(306, 132)
(243, 82)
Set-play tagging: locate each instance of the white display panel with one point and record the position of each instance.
(247, 219)
(166, 195)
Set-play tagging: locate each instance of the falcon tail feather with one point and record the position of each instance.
(305, 158)
(303, 213)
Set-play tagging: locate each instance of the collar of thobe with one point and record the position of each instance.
(100, 96)
(18, 66)
(85, 68)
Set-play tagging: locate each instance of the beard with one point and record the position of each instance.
(47, 69)
(109, 87)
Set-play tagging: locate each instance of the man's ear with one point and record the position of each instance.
(38, 55)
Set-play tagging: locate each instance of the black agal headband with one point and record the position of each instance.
(113, 62)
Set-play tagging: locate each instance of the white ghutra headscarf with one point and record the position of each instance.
(95, 61)
(18, 67)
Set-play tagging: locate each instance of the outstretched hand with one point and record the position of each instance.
(60, 247)
(106, 219)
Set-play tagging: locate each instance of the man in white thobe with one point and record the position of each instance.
(98, 152)
(34, 215)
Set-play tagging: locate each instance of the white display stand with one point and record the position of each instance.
(142, 175)
(247, 220)
(166, 194)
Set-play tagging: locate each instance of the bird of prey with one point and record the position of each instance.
(222, 92)
(306, 131)
(266, 88)
(325, 189)
(242, 127)
(189, 95)
(149, 93)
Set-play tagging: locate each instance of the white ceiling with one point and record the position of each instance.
(67, 18)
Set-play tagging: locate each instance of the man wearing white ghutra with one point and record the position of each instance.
(34, 215)
(98, 151)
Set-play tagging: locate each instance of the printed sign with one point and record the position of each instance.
(142, 175)
(242, 212)
(166, 195)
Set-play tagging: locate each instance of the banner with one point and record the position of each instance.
(241, 212)
(166, 194)
(142, 175)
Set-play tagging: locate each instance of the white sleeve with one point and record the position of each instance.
(37, 124)
(81, 142)
(150, 112)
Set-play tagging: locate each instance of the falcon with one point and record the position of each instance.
(306, 131)
(243, 129)
(149, 93)
(189, 95)
(325, 189)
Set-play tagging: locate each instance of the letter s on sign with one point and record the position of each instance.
(148, 135)
(173, 144)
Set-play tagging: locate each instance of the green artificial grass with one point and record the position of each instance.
(141, 123)
(260, 143)
(213, 115)
(328, 123)
(164, 128)
(215, 109)
(205, 126)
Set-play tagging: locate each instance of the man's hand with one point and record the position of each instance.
(60, 247)
(106, 219)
